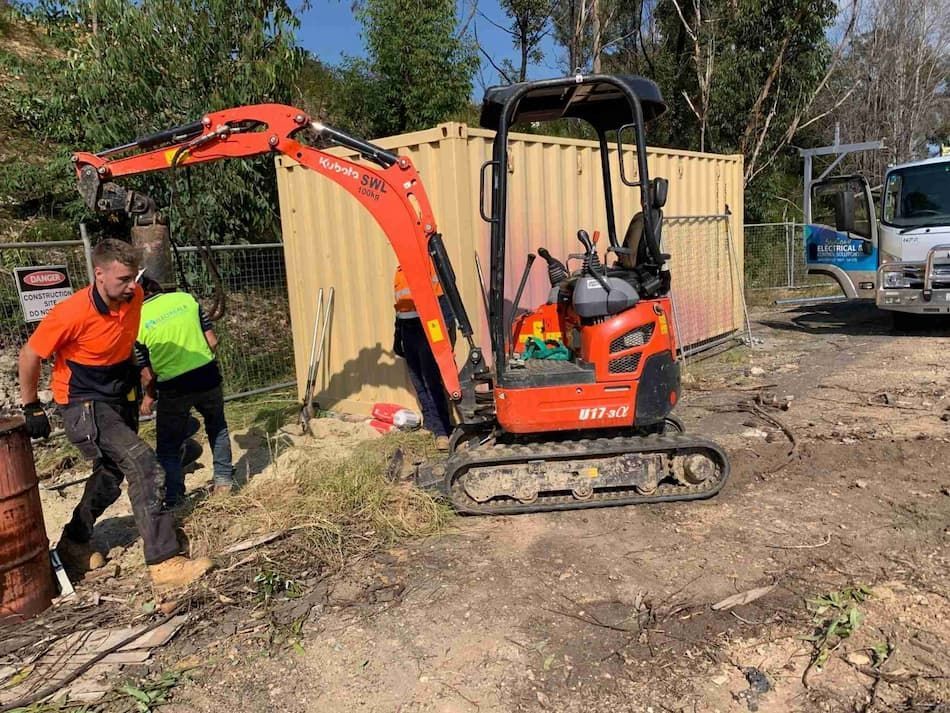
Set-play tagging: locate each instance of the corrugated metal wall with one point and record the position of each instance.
(554, 189)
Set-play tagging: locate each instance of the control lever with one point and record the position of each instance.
(557, 272)
(591, 260)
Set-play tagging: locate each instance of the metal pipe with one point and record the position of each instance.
(262, 390)
(321, 344)
(608, 188)
(41, 244)
(810, 300)
(711, 216)
(87, 250)
(517, 303)
(712, 344)
(372, 152)
(740, 284)
(928, 269)
(311, 364)
(224, 248)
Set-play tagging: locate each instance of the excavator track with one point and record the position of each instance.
(536, 476)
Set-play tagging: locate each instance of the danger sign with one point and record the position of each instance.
(40, 288)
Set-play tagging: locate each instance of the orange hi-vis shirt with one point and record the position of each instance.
(402, 297)
(92, 346)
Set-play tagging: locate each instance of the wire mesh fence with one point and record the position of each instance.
(707, 287)
(775, 257)
(14, 329)
(256, 347)
(255, 344)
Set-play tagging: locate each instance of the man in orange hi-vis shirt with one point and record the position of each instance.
(409, 342)
(91, 334)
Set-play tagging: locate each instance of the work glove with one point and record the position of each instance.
(37, 424)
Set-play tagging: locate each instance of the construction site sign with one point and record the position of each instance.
(40, 288)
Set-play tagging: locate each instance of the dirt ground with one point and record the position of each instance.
(611, 609)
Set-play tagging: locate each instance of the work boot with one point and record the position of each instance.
(178, 572)
(221, 490)
(78, 557)
(442, 443)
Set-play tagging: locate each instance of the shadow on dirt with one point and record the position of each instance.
(856, 318)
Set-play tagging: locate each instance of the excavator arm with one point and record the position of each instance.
(391, 190)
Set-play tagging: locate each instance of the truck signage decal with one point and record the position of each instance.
(829, 247)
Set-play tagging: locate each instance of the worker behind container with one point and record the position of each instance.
(175, 348)
(410, 343)
(95, 381)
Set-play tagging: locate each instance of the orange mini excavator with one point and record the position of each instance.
(587, 429)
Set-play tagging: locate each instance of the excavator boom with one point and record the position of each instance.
(390, 190)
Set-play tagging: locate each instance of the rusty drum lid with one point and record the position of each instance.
(11, 423)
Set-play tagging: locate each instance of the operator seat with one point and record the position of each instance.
(634, 251)
(631, 243)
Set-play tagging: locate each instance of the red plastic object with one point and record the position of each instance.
(382, 426)
(386, 412)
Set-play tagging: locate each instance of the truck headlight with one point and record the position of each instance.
(893, 279)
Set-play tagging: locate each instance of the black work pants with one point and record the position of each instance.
(107, 434)
(411, 344)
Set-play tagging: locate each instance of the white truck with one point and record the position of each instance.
(901, 259)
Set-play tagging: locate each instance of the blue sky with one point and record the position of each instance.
(329, 31)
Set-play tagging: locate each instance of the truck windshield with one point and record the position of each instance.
(918, 195)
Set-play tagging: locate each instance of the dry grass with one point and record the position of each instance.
(344, 505)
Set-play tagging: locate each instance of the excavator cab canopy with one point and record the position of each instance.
(604, 105)
(617, 104)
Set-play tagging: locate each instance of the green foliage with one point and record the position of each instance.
(739, 43)
(417, 72)
(836, 618)
(272, 583)
(152, 693)
(123, 69)
(530, 23)
(145, 696)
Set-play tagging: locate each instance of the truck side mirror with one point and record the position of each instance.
(844, 211)
(659, 191)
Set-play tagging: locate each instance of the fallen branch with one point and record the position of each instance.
(754, 409)
(746, 621)
(253, 542)
(802, 547)
(591, 621)
(52, 688)
(746, 597)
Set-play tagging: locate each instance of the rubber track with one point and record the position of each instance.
(508, 454)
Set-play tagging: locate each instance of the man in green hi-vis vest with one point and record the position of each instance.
(175, 349)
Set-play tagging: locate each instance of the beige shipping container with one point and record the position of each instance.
(555, 188)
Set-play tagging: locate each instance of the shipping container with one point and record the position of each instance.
(555, 188)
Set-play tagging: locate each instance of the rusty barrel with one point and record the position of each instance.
(26, 578)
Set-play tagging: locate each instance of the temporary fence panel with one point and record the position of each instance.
(14, 329)
(775, 257)
(702, 252)
(554, 190)
(255, 344)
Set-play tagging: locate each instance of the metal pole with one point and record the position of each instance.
(87, 249)
(790, 254)
(806, 202)
(738, 277)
